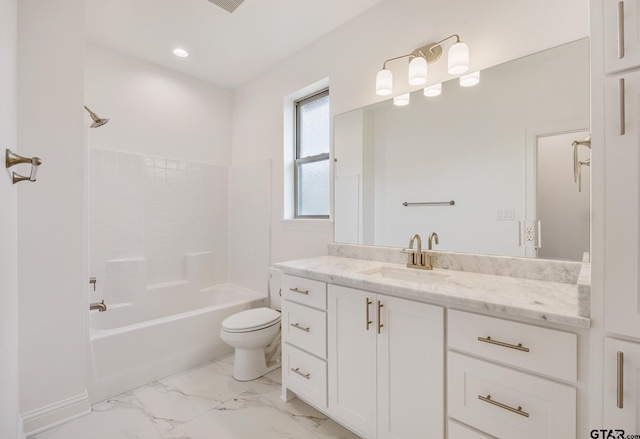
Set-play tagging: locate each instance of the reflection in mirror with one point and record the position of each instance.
(502, 150)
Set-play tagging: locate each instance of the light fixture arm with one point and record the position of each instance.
(439, 43)
(384, 65)
(430, 52)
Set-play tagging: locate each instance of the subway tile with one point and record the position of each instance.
(109, 168)
(124, 158)
(110, 157)
(95, 168)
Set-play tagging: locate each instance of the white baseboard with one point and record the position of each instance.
(52, 415)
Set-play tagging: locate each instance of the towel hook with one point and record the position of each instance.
(12, 159)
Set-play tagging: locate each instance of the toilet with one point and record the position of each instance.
(255, 335)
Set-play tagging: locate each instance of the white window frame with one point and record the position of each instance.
(309, 159)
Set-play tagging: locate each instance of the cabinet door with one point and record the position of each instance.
(625, 418)
(410, 369)
(622, 201)
(352, 358)
(622, 25)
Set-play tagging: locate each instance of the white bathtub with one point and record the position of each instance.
(167, 329)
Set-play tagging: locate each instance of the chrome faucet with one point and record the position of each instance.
(416, 256)
(100, 306)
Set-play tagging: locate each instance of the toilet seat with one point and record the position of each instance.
(251, 320)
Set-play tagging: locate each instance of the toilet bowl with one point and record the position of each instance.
(255, 335)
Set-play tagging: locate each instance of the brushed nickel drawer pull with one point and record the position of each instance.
(380, 325)
(517, 347)
(368, 318)
(306, 376)
(621, 110)
(296, 290)
(620, 29)
(518, 411)
(620, 387)
(302, 328)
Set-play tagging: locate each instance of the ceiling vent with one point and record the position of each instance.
(227, 5)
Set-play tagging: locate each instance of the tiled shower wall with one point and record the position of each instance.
(146, 213)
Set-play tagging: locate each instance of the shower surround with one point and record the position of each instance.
(148, 216)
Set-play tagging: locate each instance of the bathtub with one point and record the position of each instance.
(168, 329)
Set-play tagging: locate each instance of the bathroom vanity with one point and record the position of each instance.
(458, 352)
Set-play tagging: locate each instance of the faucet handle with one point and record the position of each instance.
(413, 256)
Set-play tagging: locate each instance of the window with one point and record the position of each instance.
(311, 167)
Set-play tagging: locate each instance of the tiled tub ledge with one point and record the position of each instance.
(560, 296)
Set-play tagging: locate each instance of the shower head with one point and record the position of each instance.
(97, 122)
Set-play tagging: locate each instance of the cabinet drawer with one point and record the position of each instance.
(305, 374)
(547, 408)
(459, 431)
(550, 352)
(305, 291)
(305, 328)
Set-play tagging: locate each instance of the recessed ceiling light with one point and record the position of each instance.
(181, 53)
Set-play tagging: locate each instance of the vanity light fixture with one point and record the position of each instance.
(470, 80)
(402, 100)
(181, 53)
(418, 61)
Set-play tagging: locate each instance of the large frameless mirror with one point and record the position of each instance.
(501, 151)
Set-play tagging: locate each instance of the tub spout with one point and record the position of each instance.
(100, 306)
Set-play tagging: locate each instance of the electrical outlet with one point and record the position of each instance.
(529, 233)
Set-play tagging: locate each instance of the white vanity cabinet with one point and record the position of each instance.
(622, 34)
(386, 364)
(622, 264)
(304, 339)
(501, 393)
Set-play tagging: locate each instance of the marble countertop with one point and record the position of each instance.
(556, 302)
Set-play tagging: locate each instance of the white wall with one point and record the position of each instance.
(51, 227)
(249, 213)
(351, 55)
(9, 408)
(156, 111)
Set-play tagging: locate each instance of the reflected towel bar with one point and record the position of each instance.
(434, 203)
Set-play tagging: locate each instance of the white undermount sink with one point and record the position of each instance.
(406, 274)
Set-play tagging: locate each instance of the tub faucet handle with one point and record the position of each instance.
(92, 281)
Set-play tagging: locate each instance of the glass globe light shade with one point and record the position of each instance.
(418, 71)
(384, 82)
(470, 80)
(458, 58)
(401, 100)
(433, 90)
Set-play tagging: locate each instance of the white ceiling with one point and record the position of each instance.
(225, 49)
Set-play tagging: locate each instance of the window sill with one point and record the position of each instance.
(307, 225)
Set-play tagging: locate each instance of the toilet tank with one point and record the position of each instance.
(275, 276)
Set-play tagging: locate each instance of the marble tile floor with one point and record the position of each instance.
(202, 403)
